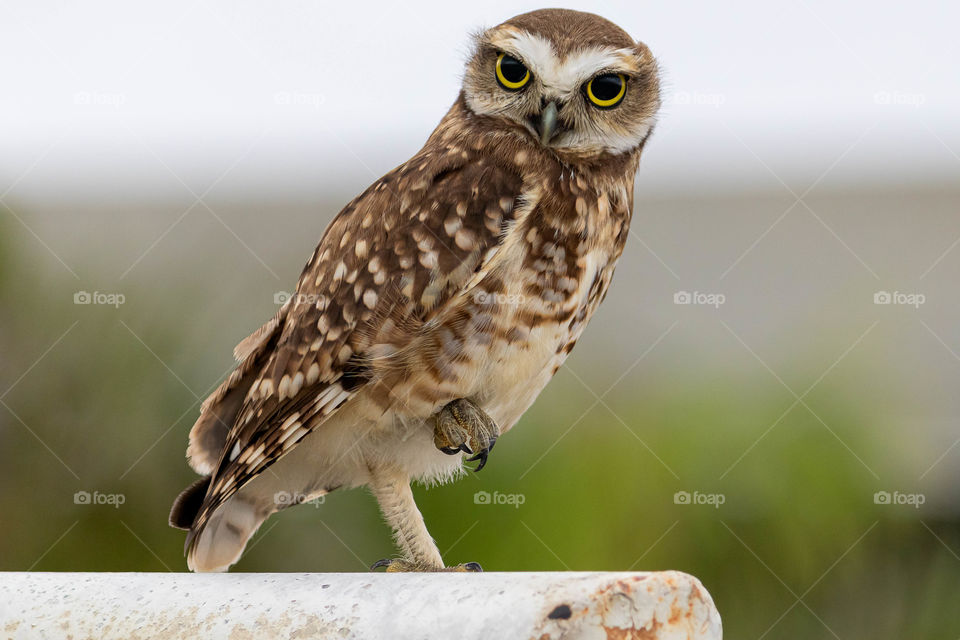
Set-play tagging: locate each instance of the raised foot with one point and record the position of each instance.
(398, 565)
(463, 426)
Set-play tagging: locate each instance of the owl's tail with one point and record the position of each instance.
(219, 542)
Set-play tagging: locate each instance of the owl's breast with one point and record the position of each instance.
(538, 329)
(511, 328)
(553, 274)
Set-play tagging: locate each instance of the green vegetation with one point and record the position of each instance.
(798, 518)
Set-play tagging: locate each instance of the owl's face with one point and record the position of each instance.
(574, 82)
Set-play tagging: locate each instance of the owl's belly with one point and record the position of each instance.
(516, 374)
(516, 368)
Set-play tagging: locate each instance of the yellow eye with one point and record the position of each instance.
(511, 74)
(607, 90)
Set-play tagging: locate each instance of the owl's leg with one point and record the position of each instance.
(420, 553)
(463, 426)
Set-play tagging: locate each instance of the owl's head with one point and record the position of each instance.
(574, 82)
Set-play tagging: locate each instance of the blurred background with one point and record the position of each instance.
(767, 400)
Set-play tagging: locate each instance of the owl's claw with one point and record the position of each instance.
(463, 426)
(482, 456)
(455, 450)
(399, 565)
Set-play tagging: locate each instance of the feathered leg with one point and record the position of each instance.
(420, 553)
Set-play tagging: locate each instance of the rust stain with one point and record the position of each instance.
(619, 633)
(677, 613)
(613, 608)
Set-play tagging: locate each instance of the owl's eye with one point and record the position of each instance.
(607, 91)
(511, 74)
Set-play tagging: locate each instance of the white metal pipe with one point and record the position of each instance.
(655, 606)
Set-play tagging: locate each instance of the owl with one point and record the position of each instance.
(441, 300)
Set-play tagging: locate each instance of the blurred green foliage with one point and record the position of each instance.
(798, 549)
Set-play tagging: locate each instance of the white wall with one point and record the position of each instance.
(99, 96)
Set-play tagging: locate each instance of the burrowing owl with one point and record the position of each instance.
(441, 300)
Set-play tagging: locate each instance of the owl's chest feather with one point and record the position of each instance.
(508, 330)
(546, 287)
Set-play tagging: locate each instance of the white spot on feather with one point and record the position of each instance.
(464, 239)
(266, 388)
(289, 422)
(296, 384)
(284, 388)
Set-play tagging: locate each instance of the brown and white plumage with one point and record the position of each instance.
(467, 272)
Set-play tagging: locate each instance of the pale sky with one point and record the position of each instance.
(291, 97)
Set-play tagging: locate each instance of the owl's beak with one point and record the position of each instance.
(548, 122)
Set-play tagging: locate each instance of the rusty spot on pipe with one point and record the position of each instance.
(619, 633)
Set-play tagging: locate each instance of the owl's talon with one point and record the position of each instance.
(462, 423)
(482, 457)
(452, 451)
(400, 565)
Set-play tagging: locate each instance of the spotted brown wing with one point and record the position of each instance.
(388, 262)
